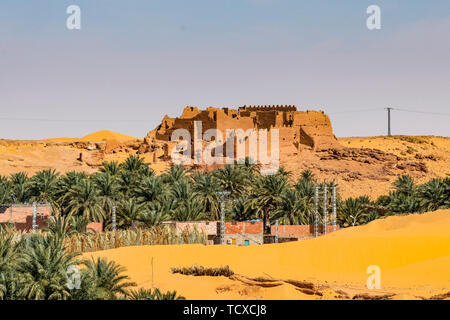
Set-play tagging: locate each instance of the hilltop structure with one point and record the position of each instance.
(297, 129)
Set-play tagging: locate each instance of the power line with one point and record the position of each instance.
(393, 108)
(69, 120)
(422, 112)
(353, 111)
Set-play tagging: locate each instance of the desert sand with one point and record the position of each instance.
(103, 135)
(412, 252)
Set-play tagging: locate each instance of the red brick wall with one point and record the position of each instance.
(243, 227)
(298, 230)
(94, 226)
(20, 213)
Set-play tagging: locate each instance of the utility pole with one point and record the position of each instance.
(325, 212)
(334, 208)
(389, 120)
(34, 225)
(11, 208)
(316, 212)
(113, 215)
(276, 231)
(222, 195)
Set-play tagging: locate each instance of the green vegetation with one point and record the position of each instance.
(148, 294)
(145, 199)
(39, 266)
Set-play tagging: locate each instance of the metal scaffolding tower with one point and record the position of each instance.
(222, 195)
(34, 225)
(316, 213)
(324, 196)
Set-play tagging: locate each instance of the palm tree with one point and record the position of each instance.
(305, 188)
(307, 175)
(108, 279)
(153, 218)
(5, 191)
(433, 195)
(44, 186)
(267, 196)
(111, 167)
(404, 185)
(13, 286)
(293, 209)
(400, 202)
(284, 173)
(8, 252)
(351, 213)
(188, 209)
(251, 167)
(240, 211)
(128, 181)
(45, 263)
(206, 187)
(147, 172)
(129, 211)
(20, 187)
(84, 200)
(78, 224)
(107, 186)
(164, 206)
(59, 226)
(149, 190)
(156, 294)
(108, 191)
(174, 173)
(133, 164)
(231, 179)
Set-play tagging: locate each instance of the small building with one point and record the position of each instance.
(244, 233)
(236, 233)
(21, 216)
(288, 233)
(210, 228)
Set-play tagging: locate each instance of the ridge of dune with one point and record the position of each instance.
(107, 135)
(413, 253)
(97, 136)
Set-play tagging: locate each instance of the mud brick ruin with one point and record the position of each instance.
(298, 130)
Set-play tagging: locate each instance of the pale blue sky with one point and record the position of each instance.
(135, 61)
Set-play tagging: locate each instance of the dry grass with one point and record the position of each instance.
(413, 139)
(204, 271)
(133, 237)
(89, 242)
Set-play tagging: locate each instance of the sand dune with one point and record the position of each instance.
(107, 135)
(98, 136)
(413, 253)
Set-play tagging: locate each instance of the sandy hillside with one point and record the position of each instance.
(363, 166)
(433, 151)
(369, 165)
(64, 154)
(413, 253)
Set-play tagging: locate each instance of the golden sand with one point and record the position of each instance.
(107, 135)
(413, 253)
(103, 135)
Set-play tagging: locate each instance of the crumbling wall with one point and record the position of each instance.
(297, 129)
